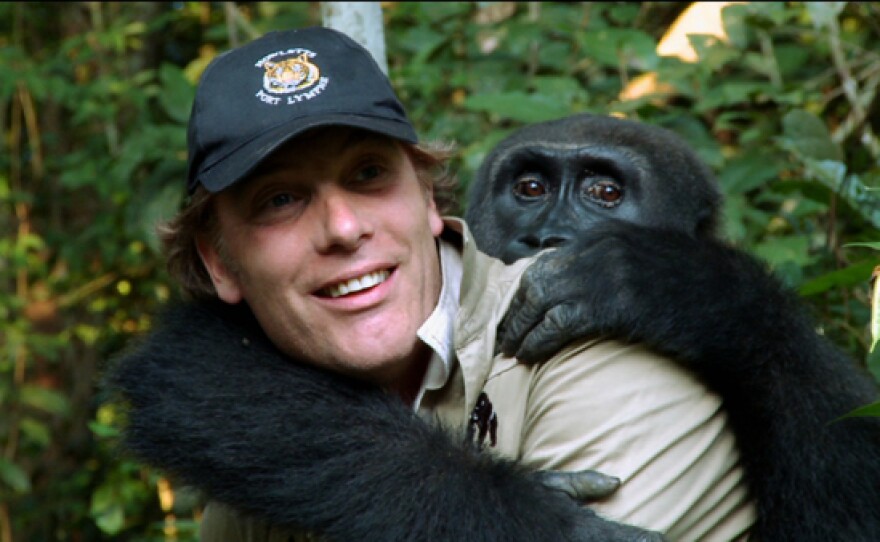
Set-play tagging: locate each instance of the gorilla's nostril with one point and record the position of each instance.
(531, 241)
(553, 241)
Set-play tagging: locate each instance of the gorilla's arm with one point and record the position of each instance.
(215, 405)
(718, 312)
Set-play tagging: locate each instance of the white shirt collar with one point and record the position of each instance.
(437, 330)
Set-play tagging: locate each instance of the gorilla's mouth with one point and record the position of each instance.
(355, 285)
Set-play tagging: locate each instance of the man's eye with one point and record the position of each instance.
(368, 173)
(277, 205)
(529, 187)
(605, 193)
(280, 200)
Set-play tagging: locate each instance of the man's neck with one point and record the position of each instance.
(407, 387)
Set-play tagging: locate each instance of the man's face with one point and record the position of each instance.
(335, 210)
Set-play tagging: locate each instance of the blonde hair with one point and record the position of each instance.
(197, 218)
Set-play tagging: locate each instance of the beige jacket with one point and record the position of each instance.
(606, 406)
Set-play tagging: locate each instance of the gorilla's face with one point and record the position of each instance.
(545, 195)
(549, 182)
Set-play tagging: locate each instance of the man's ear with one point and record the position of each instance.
(434, 218)
(435, 221)
(225, 282)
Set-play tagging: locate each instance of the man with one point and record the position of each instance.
(314, 212)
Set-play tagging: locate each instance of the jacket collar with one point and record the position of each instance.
(487, 288)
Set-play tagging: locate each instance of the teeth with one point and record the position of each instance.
(356, 284)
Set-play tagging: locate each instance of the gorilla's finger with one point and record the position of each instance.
(583, 486)
(526, 310)
(560, 326)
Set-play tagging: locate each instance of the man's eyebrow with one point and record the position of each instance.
(357, 137)
(247, 185)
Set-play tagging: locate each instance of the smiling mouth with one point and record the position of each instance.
(355, 285)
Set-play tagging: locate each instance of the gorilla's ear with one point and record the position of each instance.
(708, 220)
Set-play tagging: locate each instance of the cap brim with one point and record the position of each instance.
(242, 161)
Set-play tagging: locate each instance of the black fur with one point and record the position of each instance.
(214, 404)
(652, 270)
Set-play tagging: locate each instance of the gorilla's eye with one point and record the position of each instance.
(605, 193)
(529, 187)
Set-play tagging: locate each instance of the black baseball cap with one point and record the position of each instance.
(252, 99)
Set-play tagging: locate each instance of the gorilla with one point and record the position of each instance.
(308, 448)
(634, 213)
(630, 213)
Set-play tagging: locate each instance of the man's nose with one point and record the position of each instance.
(345, 224)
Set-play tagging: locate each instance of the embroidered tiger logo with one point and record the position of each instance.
(290, 75)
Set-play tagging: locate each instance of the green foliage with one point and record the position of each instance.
(95, 98)
(872, 410)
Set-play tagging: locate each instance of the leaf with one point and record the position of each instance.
(177, 93)
(738, 215)
(786, 249)
(872, 410)
(873, 363)
(823, 14)
(860, 197)
(44, 399)
(103, 498)
(712, 52)
(82, 174)
(111, 520)
(733, 18)
(858, 273)
(158, 208)
(807, 136)
(695, 133)
(875, 310)
(733, 220)
(88, 334)
(875, 246)
(36, 431)
(772, 13)
(555, 56)
(567, 90)
(102, 430)
(790, 58)
(474, 154)
(422, 41)
(733, 93)
(518, 106)
(748, 171)
(14, 476)
(614, 46)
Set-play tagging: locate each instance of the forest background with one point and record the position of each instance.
(93, 103)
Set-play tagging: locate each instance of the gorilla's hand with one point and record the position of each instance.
(680, 295)
(588, 486)
(587, 531)
(583, 486)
